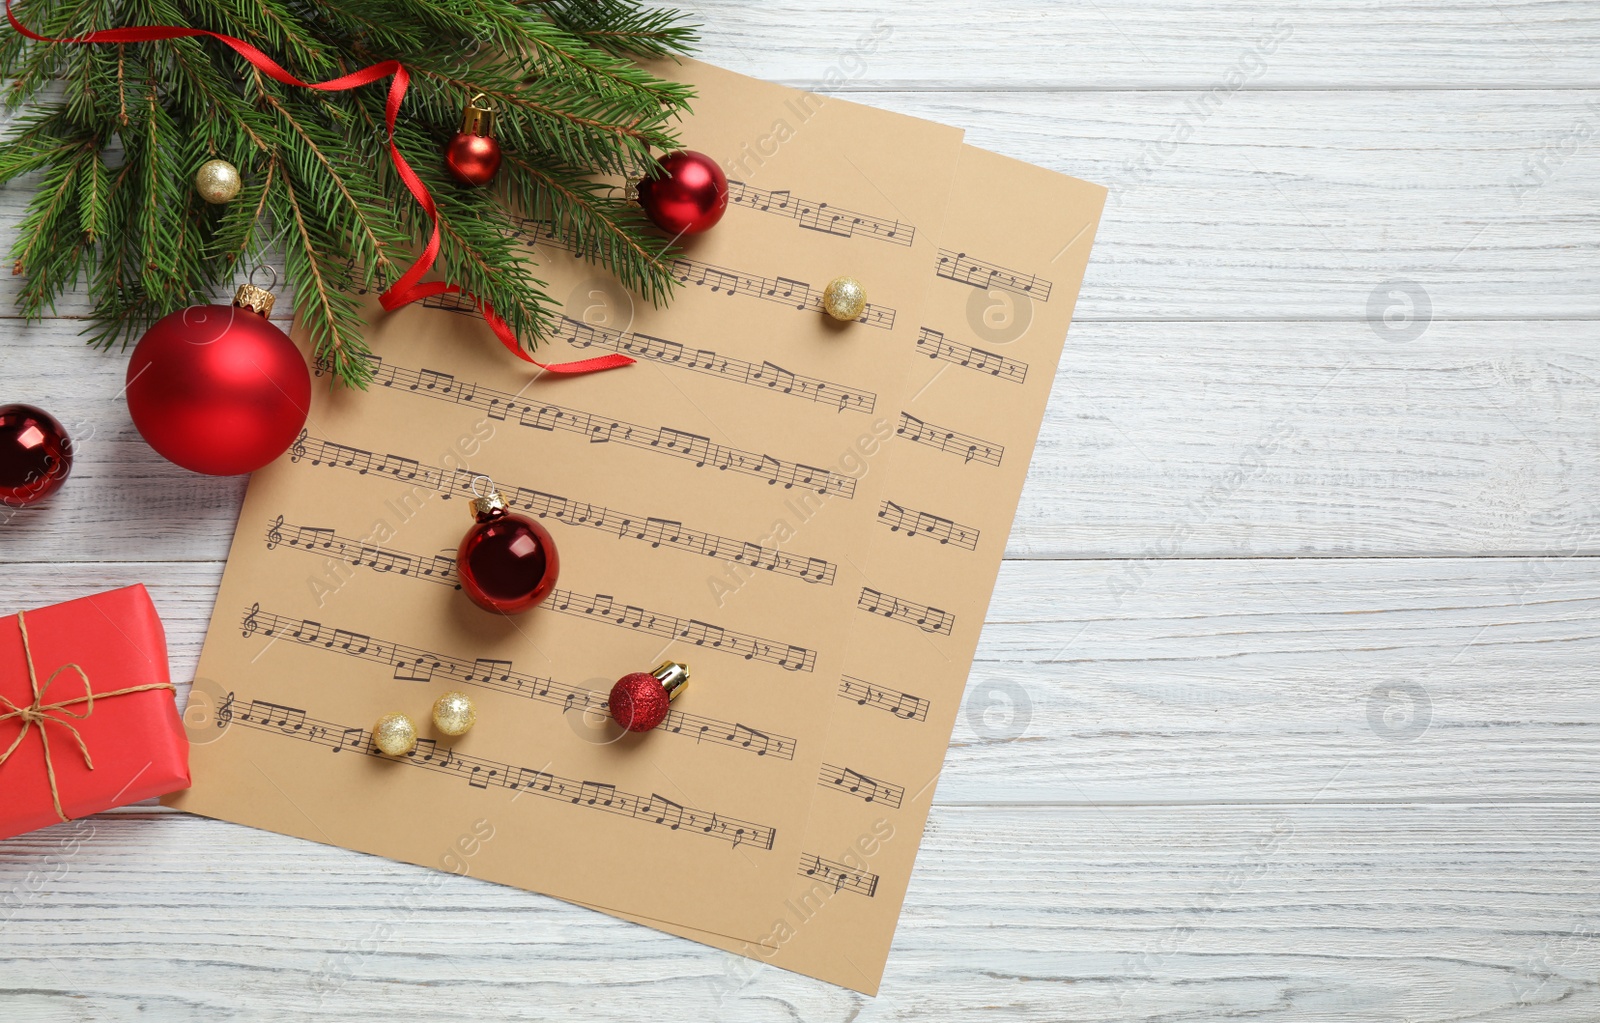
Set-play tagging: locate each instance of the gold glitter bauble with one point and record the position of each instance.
(217, 181)
(453, 713)
(844, 298)
(395, 734)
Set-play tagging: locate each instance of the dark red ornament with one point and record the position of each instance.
(639, 701)
(35, 455)
(473, 155)
(219, 389)
(689, 198)
(506, 563)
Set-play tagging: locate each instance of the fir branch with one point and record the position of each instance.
(114, 146)
(43, 222)
(622, 28)
(328, 314)
(371, 240)
(605, 227)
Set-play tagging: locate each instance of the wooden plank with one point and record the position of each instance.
(1206, 681)
(1031, 45)
(1278, 913)
(1161, 440)
(1299, 205)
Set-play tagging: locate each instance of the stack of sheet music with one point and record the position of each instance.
(812, 515)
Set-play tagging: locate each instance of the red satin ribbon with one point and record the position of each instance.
(408, 288)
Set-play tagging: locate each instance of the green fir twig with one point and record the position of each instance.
(108, 137)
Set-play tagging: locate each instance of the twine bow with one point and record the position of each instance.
(39, 713)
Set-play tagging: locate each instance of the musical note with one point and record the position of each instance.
(482, 774)
(760, 743)
(665, 811)
(963, 269)
(840, 876)
(934, 345)
(310, 537)
(670, 353)
(275, 715)
(417, 669)
(458, 482)
(819, 216)
(350, 642)
(928, 619)
(415, 664)
(869, 790)
(919, 523)
(972, 449)
(904, 706)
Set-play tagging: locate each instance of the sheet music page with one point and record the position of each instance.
(706, 504)
(981, 365)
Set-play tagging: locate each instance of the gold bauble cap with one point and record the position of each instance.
(673, 677)
(483, 507)
(478, 118)
(257, 300)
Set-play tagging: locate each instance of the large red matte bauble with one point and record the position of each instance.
(507, 563)
(690, 198)
(639, 701)
(35, 455)
(218, 389)
(473, 159)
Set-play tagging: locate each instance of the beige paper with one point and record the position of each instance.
(1012, 257)
(706, 503)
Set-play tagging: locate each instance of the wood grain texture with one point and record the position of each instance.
(1285, 708)
(1276, 913)
(1036, 45)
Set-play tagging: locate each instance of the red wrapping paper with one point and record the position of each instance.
(136, 740)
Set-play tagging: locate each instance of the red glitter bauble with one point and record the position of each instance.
(473, 159)
(639, 701)
(507, 563)
(691, 197)
(218, 389)
(35, 455)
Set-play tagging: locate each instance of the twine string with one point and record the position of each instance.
(38, 713)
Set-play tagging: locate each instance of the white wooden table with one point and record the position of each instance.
(1299, 632)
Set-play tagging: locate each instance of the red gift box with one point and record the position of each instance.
(97, 694)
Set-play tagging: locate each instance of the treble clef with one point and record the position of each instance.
(298, 451)
(225, 712)
(275, 533)
(250, 620)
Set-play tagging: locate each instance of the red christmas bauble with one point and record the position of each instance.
(691, 197)
(219, 389)
(35, 455)
(506, 563)
(640, 701)
(473, 159)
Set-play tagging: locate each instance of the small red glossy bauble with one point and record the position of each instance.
(640, 701)
(506, 563)
(35, 455)
(691, 197)
(473, 159)
(218, 389)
